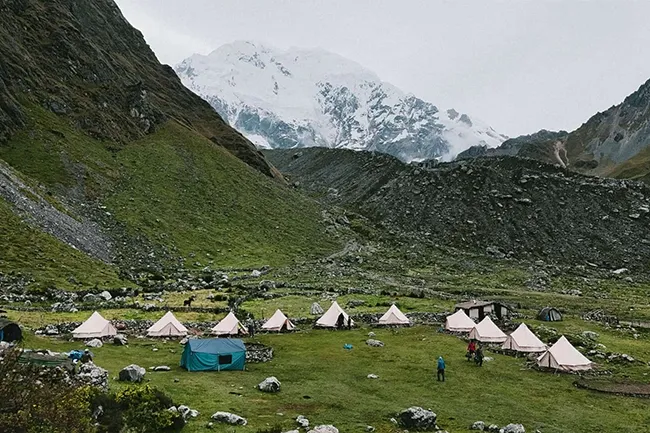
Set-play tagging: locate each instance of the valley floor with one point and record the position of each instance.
(329, 385)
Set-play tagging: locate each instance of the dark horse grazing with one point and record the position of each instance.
(188, 301)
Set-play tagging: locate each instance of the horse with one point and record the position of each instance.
(188, 301)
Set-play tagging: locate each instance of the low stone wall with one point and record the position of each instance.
(257, 352)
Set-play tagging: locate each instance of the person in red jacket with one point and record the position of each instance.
(471, 349)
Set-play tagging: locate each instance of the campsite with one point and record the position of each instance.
(328, 384)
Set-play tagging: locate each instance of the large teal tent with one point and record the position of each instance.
(214, 354)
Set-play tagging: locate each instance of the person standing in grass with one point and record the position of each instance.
(471, 349)
(441, 369)
(478, 356)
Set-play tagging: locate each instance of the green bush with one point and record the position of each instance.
(36, 399)
(141, 409)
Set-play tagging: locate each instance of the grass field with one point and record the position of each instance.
(313, 363)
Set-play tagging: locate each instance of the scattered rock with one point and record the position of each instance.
(93, 375)
(270, 384)
(370, 429)
(106, 295)
(120, 340)
(229, 418)
(51, 330)
(324, 429)
(374, 343)
(514, 428)
(95, 342)
(493, 428)
(371, 334)
(210, 425)
(590, 335)
(478, 425)
(161, 368)
(132, 373)
(373, 376)
(316, 309)
(302, 421)
(90, 297)
(417, 418)
(256, 274)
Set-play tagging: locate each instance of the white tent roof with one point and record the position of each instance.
(167, 326)
(95, 327)
(563, 356)
(394, 317)
(523, 340)
(459, 322)
(331, 316)
(229, 325)
(487, 332)
(277, 322)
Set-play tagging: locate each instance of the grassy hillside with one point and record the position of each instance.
(173, 193)
(207, 202)
(45, 259)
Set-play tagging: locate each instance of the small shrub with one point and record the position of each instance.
(142, 409)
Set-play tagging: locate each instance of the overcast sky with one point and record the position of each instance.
(519, 65)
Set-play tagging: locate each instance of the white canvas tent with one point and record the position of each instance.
(394, 317)
(278, 322)
(167, 326)
(95, 327)
(563, 356)
(523, 340)
(459, 322)
(487, 332)
(229, 325)
(331, 317)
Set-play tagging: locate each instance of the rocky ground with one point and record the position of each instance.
(503, 207)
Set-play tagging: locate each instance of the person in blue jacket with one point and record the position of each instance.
(441, 369)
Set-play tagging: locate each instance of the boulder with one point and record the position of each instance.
(417, 418)
(51, 330)
(316, 309)
(105, 295)
(132, 373)
(229, 418)
(302, 421)
(161, 368)
(93, 375)
(186, 412)
(493, 428)
(324, 429)
(478, 425)
(514, 428)
(270, 384)
(256, 274)
(374, 343)
(120, 340)
(89, 297)
(95, 342)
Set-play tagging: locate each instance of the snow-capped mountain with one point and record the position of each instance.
(300, 98)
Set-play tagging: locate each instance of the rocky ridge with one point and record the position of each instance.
(502, 206)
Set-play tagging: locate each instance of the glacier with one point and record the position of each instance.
(311, 97)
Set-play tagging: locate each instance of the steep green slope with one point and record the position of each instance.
(112, 156)
(173, 195)
(44, 259)
(180, 185)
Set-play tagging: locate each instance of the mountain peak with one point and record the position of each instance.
(302, 97)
